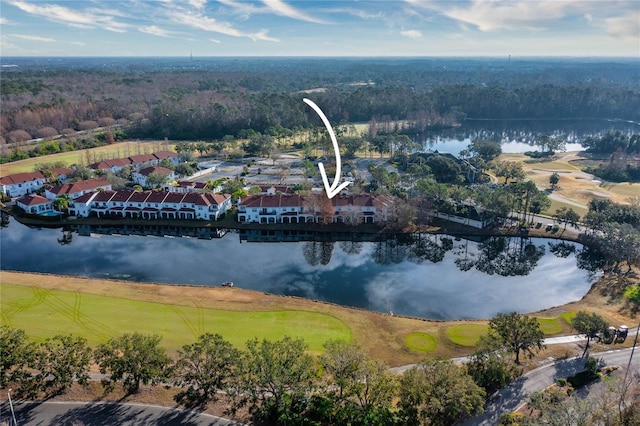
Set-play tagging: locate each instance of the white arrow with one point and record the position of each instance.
(336, 187)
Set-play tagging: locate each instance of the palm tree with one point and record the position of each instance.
(62, 202)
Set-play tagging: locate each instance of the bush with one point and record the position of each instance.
(539, 154)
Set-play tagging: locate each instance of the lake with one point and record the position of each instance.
(519, 136)
(429, 276)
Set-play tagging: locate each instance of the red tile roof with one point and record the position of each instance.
(104, 196)
(122, 196)
(161, 155)
(158, 170)
(139, 197)
(278, 200)
(84, 197)
(83, 185)
(142, 158)
(21, 178)
(32, 200)
(174, 197)
(156, 197)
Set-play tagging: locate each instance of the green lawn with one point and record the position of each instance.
(568, 316)
(121, 149)
(550, 326)
(420, 342)
(466, 334)
(44, 313)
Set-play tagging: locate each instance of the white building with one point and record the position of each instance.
(141, 176)
(35, 204)
(76, 189)
(19, 184)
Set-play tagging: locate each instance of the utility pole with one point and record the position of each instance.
(626, 373)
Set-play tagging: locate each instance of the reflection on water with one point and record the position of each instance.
(425, 275)
(518, 136)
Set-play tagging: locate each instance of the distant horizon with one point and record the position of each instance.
(189, 56)
(327, 28)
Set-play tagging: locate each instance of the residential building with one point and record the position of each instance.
(141, 176)
(136, 161)
(186, 186)
(281, 208)
(35, 204)
(151, 205)
(19, 184)
(76, 189)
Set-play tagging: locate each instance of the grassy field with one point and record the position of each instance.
(44, 305)
(466, 334)
(420, 342)
(121, 149)
(46, 312)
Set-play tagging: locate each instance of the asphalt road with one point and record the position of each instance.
(103, 413)
(511, 397)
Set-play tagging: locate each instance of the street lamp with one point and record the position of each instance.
(13, 414)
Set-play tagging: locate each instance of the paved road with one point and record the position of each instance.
(511, 397)
(103, 413)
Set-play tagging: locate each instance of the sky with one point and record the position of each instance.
(582, 28)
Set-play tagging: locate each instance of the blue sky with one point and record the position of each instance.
(320, 28)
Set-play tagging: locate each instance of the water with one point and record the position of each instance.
(431, 276)
(519, 136)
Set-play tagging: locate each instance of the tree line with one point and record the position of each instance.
(198, 104)
(277, 380)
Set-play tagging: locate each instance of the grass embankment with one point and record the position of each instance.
(46, 305)
(121, 149)
(45, 312)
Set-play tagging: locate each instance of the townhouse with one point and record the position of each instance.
(35, 204)
(141, 176)
(136, 161)
(150, 205)
(19, 184)
(76, 189)
(283, 208)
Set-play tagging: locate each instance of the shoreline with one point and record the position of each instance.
(381, 334)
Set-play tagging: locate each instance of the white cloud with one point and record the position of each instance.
(362, 14)
(33, 38)
(198, 4)
(205, 23)
(414, 34)
(213, 40)
(283, 9)
(498, 14)
(154, 30)
(78, 43)
(74, 18)
(625, 28)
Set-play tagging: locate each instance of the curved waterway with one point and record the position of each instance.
(429, 276)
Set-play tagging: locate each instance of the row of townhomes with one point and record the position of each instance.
(19, 184)
(150, 205)
(284, 208)
(136, 161)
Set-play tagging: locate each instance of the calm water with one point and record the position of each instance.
(430, 276)
(519, 136)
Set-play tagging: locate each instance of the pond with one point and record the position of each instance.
(428, 276)
(519, 136)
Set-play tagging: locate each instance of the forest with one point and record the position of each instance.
(209, 98)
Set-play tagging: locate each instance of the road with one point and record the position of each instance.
(106, 413)
(512, 396)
